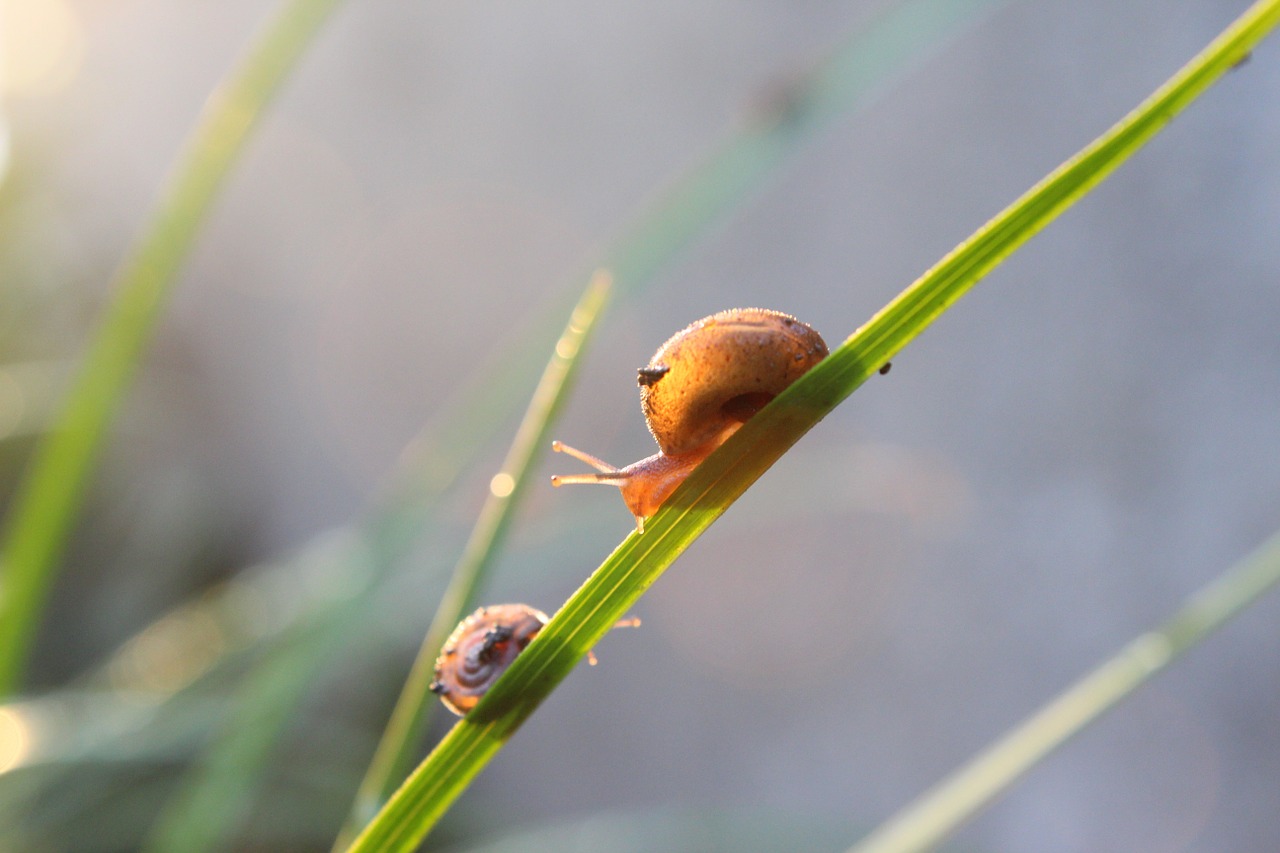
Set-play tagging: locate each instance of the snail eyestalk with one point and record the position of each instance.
(608, 473)
(644, 484)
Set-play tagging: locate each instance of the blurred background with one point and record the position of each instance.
(1088, 438)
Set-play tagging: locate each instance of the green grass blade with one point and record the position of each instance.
(400, 740)
(208, 806)
(50, 495)
(842, 81)
(640, 559)
(213, 798)
(941, 810)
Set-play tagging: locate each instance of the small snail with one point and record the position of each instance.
(482, 647)
(699, 387)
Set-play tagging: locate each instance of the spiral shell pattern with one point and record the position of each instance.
(480, 649)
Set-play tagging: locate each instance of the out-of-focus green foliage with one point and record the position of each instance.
(46, 504)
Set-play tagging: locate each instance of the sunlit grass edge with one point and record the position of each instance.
(400, 740)
(940, 811)
(640, 559)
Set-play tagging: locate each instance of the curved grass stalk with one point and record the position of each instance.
(50, 495)
(938, 812)
(215, 794)
(400, 739)
(640, 560)
(209, 804)
(725, 179)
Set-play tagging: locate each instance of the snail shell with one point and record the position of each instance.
(480, 649)
(698, 389)
(713, 375)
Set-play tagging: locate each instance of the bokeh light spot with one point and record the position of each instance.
(15, 739)
(41, 46)
(502, 485)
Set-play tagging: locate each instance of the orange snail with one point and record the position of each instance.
(699, 387)
(482, 647)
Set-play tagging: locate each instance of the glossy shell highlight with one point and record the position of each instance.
(713, 375)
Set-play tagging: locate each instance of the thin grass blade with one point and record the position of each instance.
(842, 81)
(400, 740)
(939, 812)
(641, 559)
(208, 806)
(49, 497)
(212, 799)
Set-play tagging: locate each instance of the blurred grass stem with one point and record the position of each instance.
(402, 736)
(50, 495)
(958, 798)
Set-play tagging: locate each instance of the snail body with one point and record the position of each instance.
(701, 386)
(480, 649)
